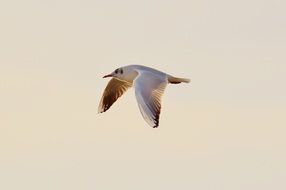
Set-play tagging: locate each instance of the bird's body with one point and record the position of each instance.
(149, 86)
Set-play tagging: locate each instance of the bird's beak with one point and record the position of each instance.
(110, 75)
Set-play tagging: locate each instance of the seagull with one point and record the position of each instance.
(149, 85)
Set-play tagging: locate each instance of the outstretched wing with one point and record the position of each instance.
(114, 89)
(148, 90)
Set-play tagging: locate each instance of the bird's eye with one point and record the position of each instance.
(121, 71)
(116, 71)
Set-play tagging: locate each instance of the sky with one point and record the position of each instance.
(224, 130)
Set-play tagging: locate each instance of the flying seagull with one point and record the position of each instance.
(149, 86)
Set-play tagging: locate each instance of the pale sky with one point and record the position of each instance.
(225, 130)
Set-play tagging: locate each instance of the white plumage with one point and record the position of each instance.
(149, 86)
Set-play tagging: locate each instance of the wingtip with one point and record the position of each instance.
(100, 110)
(156, 122)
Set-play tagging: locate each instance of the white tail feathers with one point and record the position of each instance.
(175, 80)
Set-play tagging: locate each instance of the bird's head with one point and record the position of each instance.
(118, 73)
(126, 73)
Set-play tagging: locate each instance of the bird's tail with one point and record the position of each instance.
(175, 80)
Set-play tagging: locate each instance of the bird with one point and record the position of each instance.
(149, 85)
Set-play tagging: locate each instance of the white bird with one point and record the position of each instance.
(149, 86)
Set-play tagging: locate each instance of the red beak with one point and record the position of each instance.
(110, 75)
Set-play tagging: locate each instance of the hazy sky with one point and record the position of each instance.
(225, 130)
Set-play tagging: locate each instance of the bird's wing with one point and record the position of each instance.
(148, 90)
(114, 89)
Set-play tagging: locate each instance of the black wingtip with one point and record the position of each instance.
(156, 123)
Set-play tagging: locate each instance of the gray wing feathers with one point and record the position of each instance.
(148, 91)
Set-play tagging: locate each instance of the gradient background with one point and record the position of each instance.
(224, 130)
